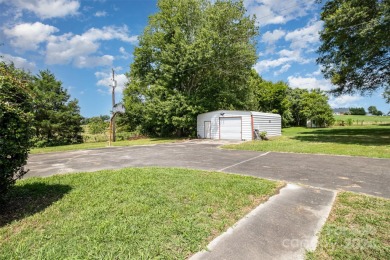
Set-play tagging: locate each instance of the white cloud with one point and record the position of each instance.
(284, 68)
(125, 54)
(77, 48)
(19, 62)
(93, 61)
(304, 37)
(28, 36)
(344, 101)
(101, 14)
(278, 11)
(104, 80)
(318, 72)
(271, 37)
(286, 57)
(45, 9)
(308, 83)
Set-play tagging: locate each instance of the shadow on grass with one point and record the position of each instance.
(360, 136)
(28, 199)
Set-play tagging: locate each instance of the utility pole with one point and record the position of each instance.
(113, 84)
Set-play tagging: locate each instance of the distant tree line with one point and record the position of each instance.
(357, 111)
(361, 111)
(97, 124)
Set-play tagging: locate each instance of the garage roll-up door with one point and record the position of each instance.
(230, 128)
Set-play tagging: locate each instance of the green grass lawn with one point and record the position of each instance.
(143, 141)
(358, 228)
(369, 141)
(137, 213)
(365, 120)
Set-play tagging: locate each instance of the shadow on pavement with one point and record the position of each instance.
(28, 199)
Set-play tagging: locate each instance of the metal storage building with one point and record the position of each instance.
(237, 125)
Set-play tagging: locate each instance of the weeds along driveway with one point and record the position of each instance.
(358, 174)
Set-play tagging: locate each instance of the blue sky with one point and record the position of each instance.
(81, 40)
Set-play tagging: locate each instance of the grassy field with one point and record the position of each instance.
(369, 141)
(362, 120)
(358, 228)
(133, 213)
(143, 141)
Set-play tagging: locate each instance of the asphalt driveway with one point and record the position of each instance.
(358, 174)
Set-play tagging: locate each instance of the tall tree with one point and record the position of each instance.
(355, 50)
(57, 119)
(296, 106)
(315, 107)
(15, 124)
(194, 56)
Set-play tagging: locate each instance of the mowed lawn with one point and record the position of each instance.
(362, 120)
(72, 147)
(369, 141)
(358, 228)
(137, 213)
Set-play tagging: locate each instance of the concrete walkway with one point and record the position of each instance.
(282, 228)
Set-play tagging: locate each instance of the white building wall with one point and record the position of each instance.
(270, 123)
(246, 125)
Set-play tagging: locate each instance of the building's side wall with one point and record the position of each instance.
(214, 118)
(272, 124)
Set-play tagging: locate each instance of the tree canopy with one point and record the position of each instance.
(194, 56)
(355, 50)
(57, 120)
(296, 106)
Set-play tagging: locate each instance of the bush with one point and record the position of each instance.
(15, 125)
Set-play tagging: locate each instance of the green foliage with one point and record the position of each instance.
(98, 124)
(86, 120)
(316, 108)
(355, 45)
(386, 95)
(294, 105)
(15, 124)
(57, 120)
(270, 97)
(194, 56)
(374, 111)
(357, 111)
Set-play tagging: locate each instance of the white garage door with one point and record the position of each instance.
(230, 128)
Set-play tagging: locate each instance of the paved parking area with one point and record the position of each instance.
(358, 174)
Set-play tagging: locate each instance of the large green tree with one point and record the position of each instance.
(194, 56)
(355, 50)
(15, 124)
(295, 97)
(57, 120)
(315, 107)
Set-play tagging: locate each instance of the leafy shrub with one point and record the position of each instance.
(349, 121)
(15, 125)
(263, 135)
